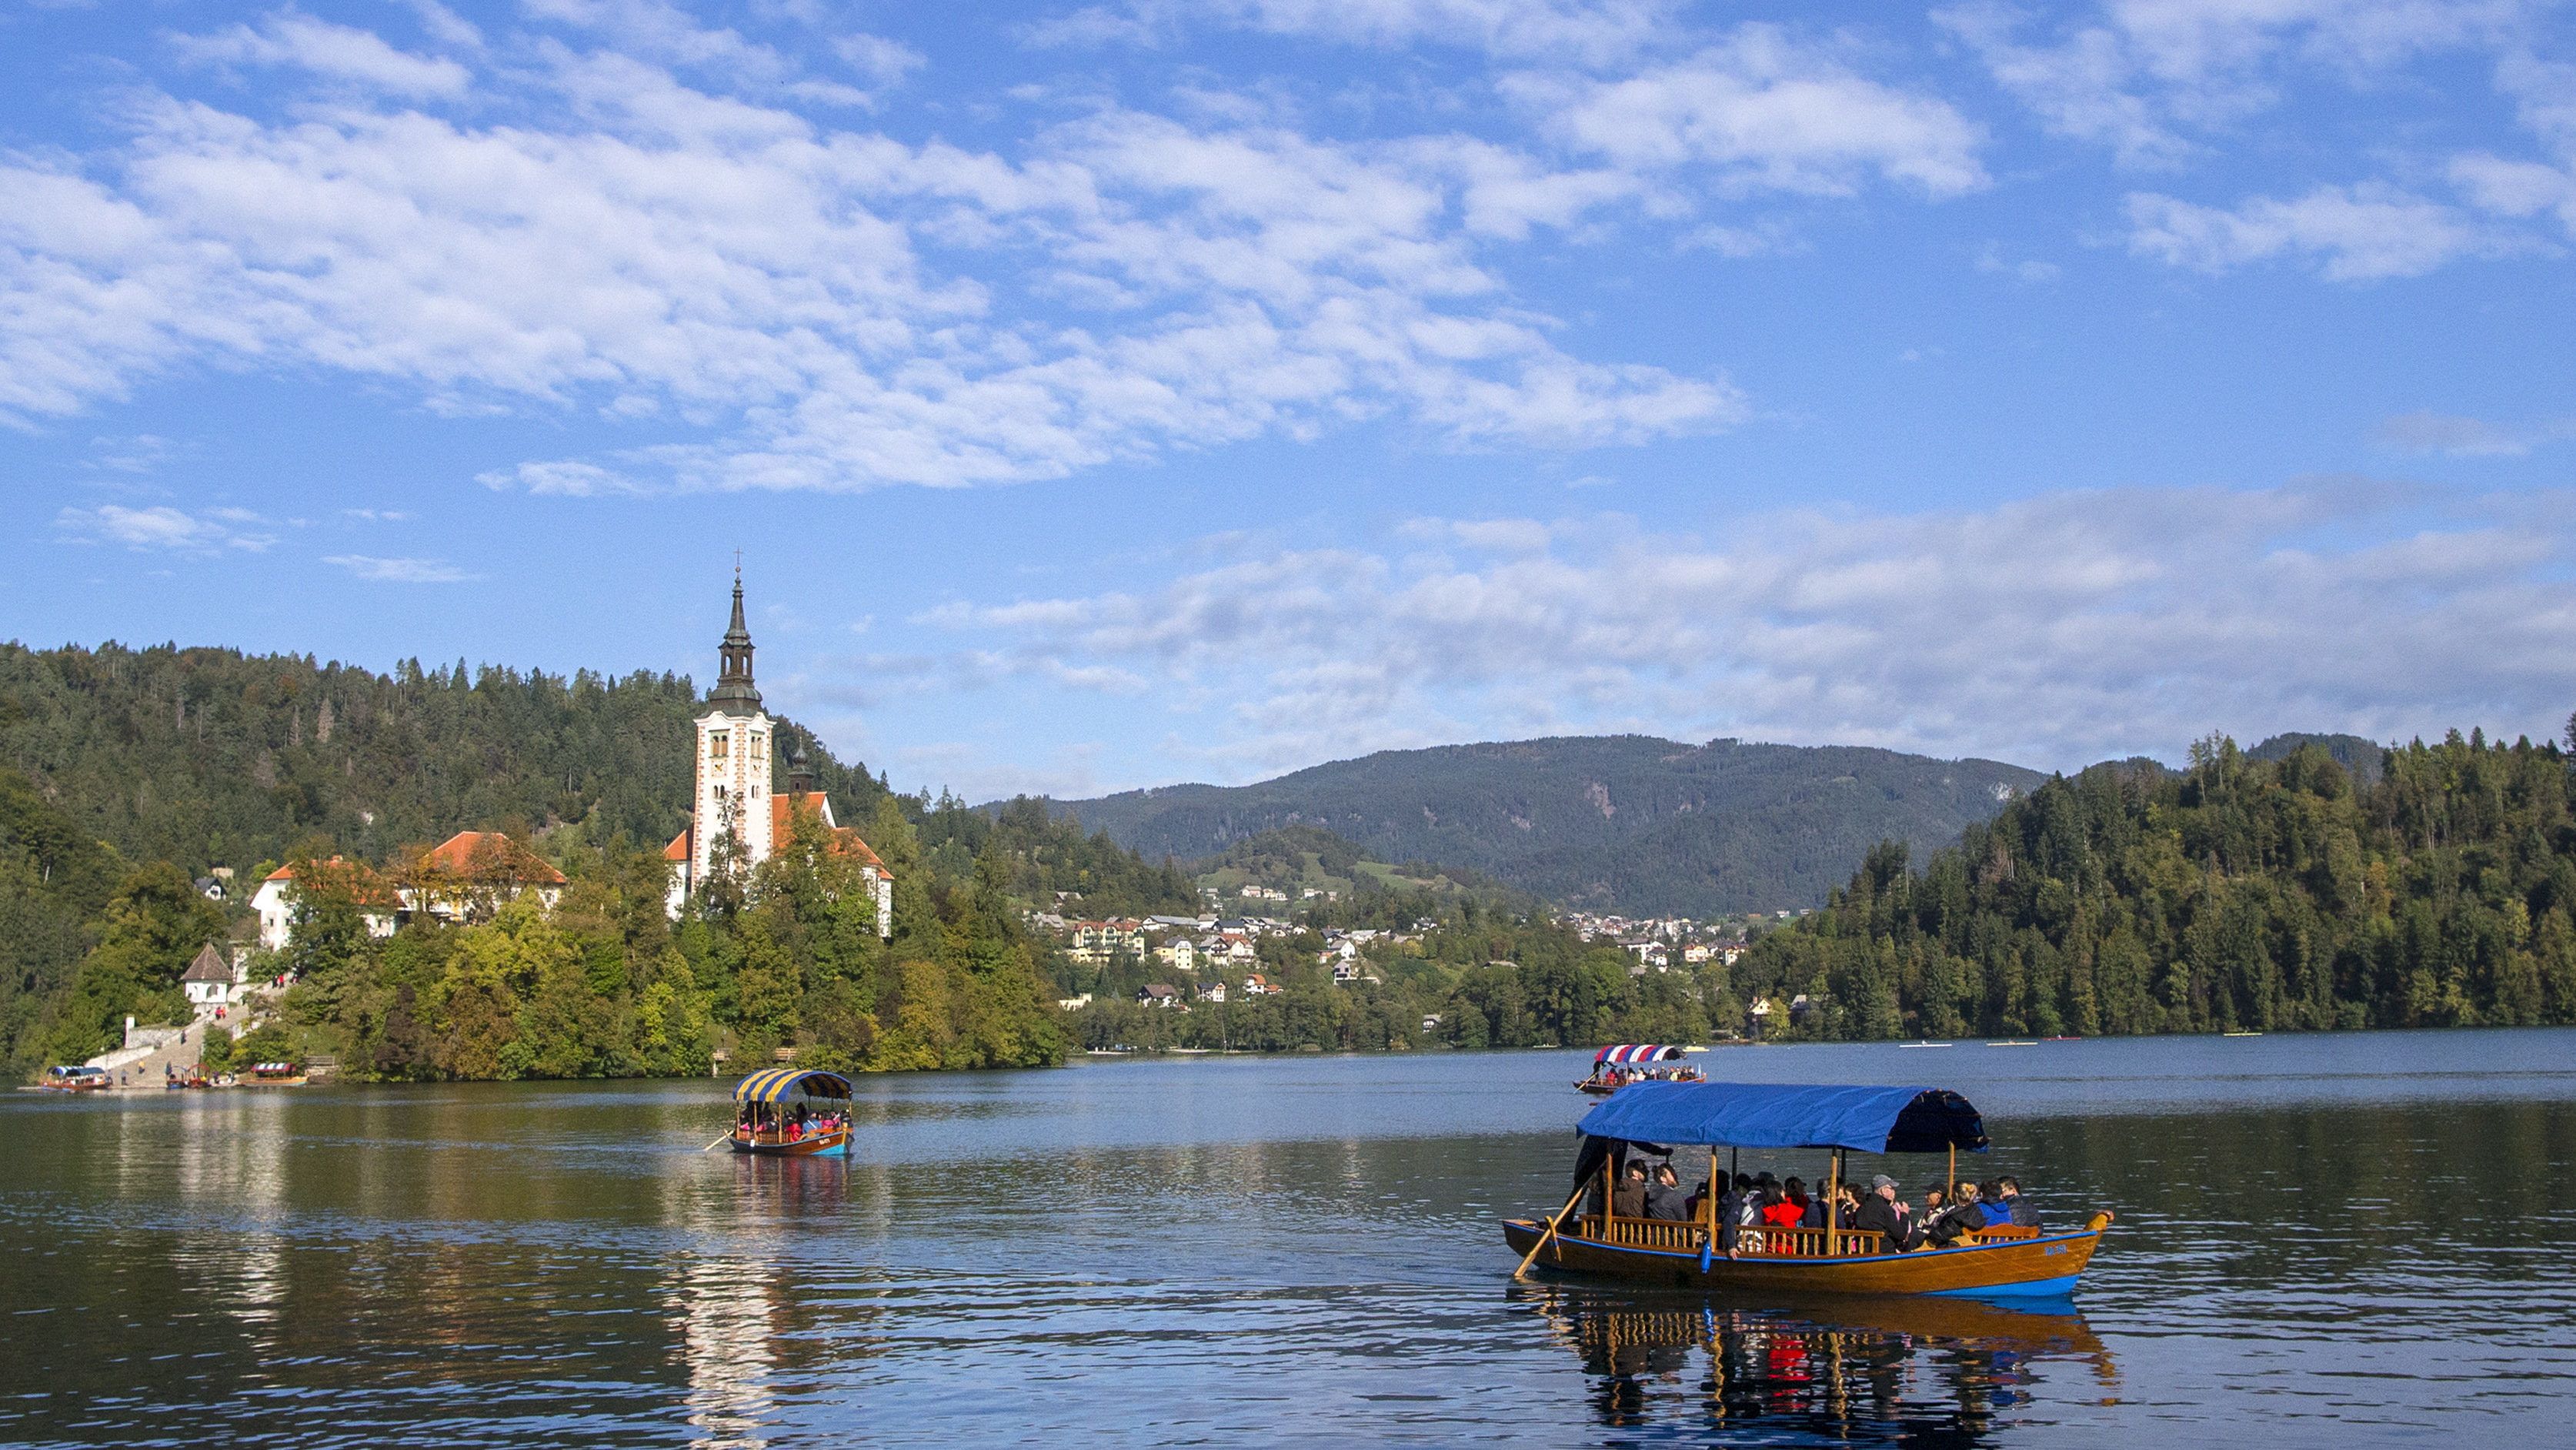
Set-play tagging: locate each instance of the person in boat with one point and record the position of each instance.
(2022, 1213)
(1664, 1196)
(1784, 1206)
(1628, 1200)
(1990, 1202)
(1948, 1218)
(1882, 1212)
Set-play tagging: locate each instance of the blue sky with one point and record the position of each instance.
(1109, 395)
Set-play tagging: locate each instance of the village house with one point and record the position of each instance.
(275, 901)
(1257, 985)
(1179, 954)
(209, 982)
(1159, 994)
(1213, 992)
(470, 875)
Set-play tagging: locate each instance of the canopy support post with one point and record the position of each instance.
(1950, 1185)
(1834, 1205)
(1708, 1199)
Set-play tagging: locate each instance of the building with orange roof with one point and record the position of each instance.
(275, 899)
(734, 794)
(468, 876)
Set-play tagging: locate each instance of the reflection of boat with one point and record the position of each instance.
(1615, 1067)
(1650, 1119)
(788, 1112)
(1842, 1367)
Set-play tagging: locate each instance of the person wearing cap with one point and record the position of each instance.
(1883, 1213)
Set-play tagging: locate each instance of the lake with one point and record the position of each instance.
(2338, 1240)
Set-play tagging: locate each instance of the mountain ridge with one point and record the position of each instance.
(1615, 822)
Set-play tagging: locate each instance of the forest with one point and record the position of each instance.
(2237, 894)
(124, 774)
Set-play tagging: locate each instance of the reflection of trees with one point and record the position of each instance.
(1943, 1371)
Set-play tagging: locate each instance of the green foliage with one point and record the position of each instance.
(1038, 855)
(217, 1056)
(151, 927)
(2238, 894)
(208, 757)
(1625, 823)
(54, 882)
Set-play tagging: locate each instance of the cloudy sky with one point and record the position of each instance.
(1112, 394)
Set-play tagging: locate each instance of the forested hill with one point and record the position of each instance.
(210, 757)
(2235, 894)
(1628, 823)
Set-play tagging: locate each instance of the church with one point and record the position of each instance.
(736, 794)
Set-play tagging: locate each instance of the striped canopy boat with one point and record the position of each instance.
(791, 1112)
(1615, 1067)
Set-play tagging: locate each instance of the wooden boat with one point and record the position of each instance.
(1835, 1259)
(790, 1112)
(275, 1074)
(1632, 1062)
(82, 1079)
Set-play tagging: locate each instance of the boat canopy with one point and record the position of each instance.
(1628, 1052)
(1785, 1115)
(779, 1084)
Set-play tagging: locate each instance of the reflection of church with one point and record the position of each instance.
(735, 795)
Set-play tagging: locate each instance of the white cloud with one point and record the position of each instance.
(2355, 234)
(164, 528)
(337, 51)
(2461, 437)
(1592, 31)
(1767, 113)
(2055, 630)
(400, 571)
(729, 261)
(2152, 79)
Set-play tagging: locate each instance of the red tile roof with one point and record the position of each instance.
(468, 851)
(678, 850)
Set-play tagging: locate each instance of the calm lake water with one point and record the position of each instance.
(2333, 1240)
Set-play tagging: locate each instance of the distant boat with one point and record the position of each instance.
(1615, 1067)
(788, 1112)
(1926, 1044)
(2013, 1042)
(2240, 1034)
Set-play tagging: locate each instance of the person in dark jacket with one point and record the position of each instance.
(1664, 1196)
(1628, 1200)
(2019, 1207)
(1882, 1212)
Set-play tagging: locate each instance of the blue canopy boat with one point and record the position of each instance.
(790, 1112)
(1653, 1118)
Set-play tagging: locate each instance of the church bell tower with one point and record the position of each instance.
(734, 736)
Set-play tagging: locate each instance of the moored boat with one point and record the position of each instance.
(81, 1079)
(1651, 1119)
(275, 1074)
(790, 1112)
(1633, 1062)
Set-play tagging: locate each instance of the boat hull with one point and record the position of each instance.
(800, 1148)
(2040, 1267)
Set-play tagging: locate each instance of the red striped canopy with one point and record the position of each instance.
(1628, 1052)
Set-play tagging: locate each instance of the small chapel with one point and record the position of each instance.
(736, 793)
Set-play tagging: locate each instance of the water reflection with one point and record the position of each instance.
(1894, 1371)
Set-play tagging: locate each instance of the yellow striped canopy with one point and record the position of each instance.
(781, 1083)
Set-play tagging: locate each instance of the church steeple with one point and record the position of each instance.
(734, 692)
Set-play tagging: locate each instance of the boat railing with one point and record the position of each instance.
(1764, 1241)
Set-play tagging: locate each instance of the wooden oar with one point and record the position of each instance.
(711, 1147)
(1532, 1256)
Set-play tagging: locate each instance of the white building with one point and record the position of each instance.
(734, 795)
(275, 900)
(209, 982)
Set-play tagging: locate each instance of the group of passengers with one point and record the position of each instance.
(1754, 1203)
(788, 1127)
